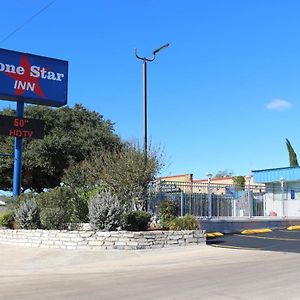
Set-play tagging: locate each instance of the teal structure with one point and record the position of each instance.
(282, 191)
(274, 175)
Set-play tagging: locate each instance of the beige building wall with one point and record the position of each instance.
(184, 182)
(189, 178)
(224, 180)
(177, 178)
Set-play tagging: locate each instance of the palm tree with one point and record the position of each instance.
(292, 154)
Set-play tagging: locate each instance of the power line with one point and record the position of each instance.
(27, 21)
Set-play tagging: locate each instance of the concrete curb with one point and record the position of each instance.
(236, 225)
(254, 231)
(294, 227)
(214, 234)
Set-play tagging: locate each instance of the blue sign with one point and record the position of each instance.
(33, 79)
(293, 194)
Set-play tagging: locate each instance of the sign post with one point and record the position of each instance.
(18, 155)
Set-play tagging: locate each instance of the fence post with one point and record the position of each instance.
(248, 178)
(282, 180)
(234, 207)
(181, 204)
(209, 175)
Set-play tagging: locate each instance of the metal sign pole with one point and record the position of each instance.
(18, 155)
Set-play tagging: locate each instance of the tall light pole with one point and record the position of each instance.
(145, 60)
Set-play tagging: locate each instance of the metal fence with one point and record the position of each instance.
(208, 200)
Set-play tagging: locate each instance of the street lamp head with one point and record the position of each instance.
(160, 48)
(208, 174)
(145, 59)
(248, 178)
(282, 180)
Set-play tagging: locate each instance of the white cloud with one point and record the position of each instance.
(279, 104)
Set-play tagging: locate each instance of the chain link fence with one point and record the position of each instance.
(208, 200)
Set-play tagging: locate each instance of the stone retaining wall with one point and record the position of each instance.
(124, 240)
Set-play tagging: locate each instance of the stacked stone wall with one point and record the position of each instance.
(123, 240)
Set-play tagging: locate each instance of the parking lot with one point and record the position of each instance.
(193, 272)
(281, 240)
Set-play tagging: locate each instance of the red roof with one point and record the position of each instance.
(181, 175)
(213, 179)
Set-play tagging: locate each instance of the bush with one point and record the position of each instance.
(53, 218)
(188, 222)
(168, 210)
(7, 218)
(79, 206)
(106, 212)
(55, 208)
(137, 220)
(27, 214)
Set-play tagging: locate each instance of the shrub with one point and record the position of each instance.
(55, 208)
(27, 214)
(53, 218)
(106, 212)
(61, 206)
(137, 220)
(168, 210)
(7, 218)
(79, 206)
(188, 222)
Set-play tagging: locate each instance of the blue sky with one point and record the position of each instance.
(224, 95)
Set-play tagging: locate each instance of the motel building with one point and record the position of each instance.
(218, 184)
(282, 193)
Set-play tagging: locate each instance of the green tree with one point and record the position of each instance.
(224, 173)
(239, 181)
(122, 171)
(125, 172)
(72, 135)
(292, 154)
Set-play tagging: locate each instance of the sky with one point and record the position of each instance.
(223, 96)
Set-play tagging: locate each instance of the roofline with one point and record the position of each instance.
(214, 178)
(180, 175)
(276, 169)
(219, 178)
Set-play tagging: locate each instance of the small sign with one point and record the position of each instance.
(22, 127)
(169, 188)
(293, 194)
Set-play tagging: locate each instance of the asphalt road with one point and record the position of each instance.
(192, 272)
(277, 240)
